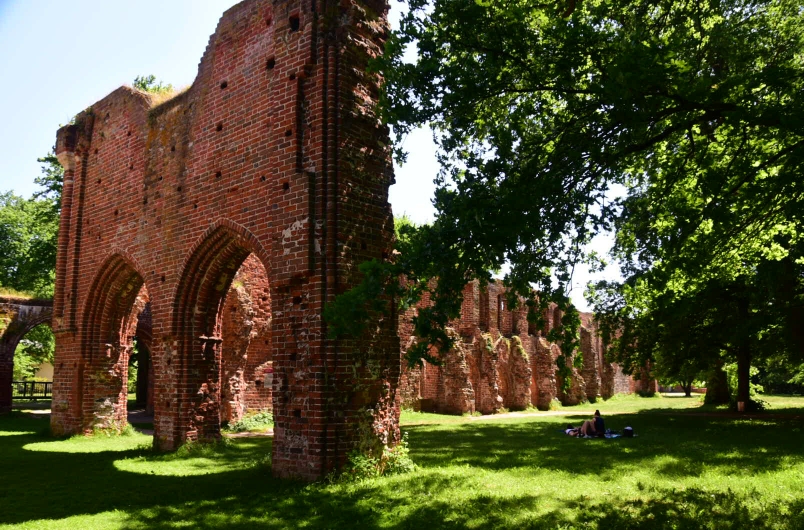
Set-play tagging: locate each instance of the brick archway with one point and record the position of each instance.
(110, 317)
(18, 316)
(279, 140)
(204, 284)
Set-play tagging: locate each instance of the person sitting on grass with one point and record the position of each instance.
(588, 429)
(594, 427)
(600, 427)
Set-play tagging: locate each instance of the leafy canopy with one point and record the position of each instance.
(541, 111)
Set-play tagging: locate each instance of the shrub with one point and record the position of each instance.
(392, 461)
(259, 421)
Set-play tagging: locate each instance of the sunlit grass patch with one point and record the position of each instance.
(99, 443)
(410, 417)
(200, 459)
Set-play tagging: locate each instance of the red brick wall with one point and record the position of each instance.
(501, 360)
(275, 151)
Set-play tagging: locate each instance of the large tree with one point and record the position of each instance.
(542, 111)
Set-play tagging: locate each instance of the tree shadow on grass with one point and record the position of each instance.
(48, 483)
(691, 509)
(373, 506)
(54, 485)
(681, 445)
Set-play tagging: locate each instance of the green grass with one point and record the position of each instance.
(683, 470)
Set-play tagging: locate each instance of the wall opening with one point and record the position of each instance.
(222, 320)
(246, 362)
(116, 300)
(484, 309)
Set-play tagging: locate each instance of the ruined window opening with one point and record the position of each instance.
(484, 310)
(246, 348)
(532, 329)
(294, 23)
(271, 63)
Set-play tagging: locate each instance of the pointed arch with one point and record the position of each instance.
(205, 279)
(113, 290)
(106, 329)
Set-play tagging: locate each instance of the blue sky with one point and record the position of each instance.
(59, 57)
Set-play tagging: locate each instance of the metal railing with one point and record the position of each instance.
(31, 390)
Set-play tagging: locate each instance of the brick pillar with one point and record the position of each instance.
(66, 409)
(6, 372)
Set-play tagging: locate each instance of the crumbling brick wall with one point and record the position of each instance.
(501, 360)
(246, 347)
(275, 151)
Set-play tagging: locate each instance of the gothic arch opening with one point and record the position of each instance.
(116, 300)
(222, 326)
(246, 360)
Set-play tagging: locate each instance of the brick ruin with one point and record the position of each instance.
(18, 316)
(209, 230)
(500, 360)
(273, 163)
(246, 367)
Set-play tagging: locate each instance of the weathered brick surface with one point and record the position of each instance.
(275, 151)
(500, 360)
(247, 369)
(18, 316)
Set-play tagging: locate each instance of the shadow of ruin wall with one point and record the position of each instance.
(501, 361)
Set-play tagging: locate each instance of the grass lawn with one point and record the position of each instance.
(688, 467)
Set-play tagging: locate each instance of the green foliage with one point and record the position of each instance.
(200, 449)
(148, 83)
(28, 240)
(392, 461)
(519, 348)
(543, 111)
(29, 234)
(35, 348)
(126, 430)
(258, 421)
(731, 375)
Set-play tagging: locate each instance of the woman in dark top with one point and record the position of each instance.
(600, 427)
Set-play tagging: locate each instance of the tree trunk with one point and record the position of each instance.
(743, 372)
(717, 387)
(687, 389)
(743, 356)
(143, 368)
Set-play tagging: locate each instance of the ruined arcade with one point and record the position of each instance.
(274, 157)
